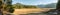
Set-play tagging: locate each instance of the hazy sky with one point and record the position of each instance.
(34, 2)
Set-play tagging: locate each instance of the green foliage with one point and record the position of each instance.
(29, 6)
(19, 5)
(11, 10)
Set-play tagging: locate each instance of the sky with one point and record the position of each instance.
(34, 2)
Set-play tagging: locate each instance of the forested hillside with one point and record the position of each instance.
(19, 5)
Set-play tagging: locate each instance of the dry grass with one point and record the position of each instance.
(29, 10)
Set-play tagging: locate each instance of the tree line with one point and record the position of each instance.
(19, 5)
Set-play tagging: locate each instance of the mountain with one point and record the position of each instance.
(41, 6)
(52, 5)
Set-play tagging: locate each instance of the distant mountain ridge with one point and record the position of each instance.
(52, 5)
